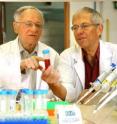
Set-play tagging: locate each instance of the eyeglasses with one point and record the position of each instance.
(82, 26)
(30, 24)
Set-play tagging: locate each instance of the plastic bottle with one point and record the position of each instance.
(27, 102)
(40, 106)
(45, 100)
(44, 103)
(46, 55)
(37, 101)
(3, 104)
(11, 101)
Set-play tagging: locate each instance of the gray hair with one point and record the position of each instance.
(19, 11)
(96, 17)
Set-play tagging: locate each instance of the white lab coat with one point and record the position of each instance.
(10, 74)
(73, 71)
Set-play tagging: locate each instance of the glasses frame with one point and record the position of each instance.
(82, 26)
(30, 24)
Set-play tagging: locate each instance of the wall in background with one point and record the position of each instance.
(110, 14)
(1, 35)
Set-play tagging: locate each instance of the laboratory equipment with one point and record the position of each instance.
(46, 55)
(96, 85)
(105, 85)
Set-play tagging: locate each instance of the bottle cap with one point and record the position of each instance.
(46, 51)
(44, 91)
(11, 92)
(3, 92)
(37, 92)
(27, 91)
(40, 92)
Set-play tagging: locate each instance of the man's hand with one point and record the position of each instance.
(31, 63)
(51, 76)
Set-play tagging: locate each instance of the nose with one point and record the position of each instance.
(79, 31)
(34, 28)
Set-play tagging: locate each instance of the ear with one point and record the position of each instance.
(15, 27)
(100, 29)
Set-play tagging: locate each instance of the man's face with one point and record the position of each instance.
(29, 28)
(85, 31)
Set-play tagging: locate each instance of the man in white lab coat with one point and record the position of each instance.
(21, 60)
(83, 63)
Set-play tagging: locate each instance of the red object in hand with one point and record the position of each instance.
(46, 55)
(47, 63)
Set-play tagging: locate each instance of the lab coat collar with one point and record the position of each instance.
(79, 65)
(105, 57)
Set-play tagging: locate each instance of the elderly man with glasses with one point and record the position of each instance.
(20, 64)
(90, 57)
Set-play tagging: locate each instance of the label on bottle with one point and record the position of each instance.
(69, 114)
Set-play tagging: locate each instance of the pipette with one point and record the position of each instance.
(87, 101)
(105, 86)
(102, 104)
(97, 83)
(102, 101)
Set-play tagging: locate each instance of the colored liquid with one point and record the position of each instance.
(47, 63)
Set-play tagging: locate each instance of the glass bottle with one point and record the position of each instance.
(46, 55)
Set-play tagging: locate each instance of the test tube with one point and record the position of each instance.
(40, 103)
(46, 55)
(3, 103)
(27, 102)
(12, 101)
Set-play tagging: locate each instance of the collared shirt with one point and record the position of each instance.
(30, 76)
(25, 54)
(91, 72)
